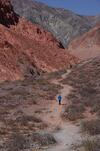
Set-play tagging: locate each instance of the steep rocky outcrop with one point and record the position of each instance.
(7, 15)
(27, 49)
(64, 24)
(36, 33)
(88, 45)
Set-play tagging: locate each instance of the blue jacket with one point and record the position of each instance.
(59, 98)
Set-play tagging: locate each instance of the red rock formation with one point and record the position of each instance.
(26, 48)
(88, 45)
(36, 33)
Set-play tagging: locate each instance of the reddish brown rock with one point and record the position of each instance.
(88, 45)
(36, 33)
(26, 49)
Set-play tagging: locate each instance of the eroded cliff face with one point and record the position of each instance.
(88, 45)
(36, 33)
(64, 24)
(27, 49)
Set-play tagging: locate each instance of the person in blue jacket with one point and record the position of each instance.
(59, 99)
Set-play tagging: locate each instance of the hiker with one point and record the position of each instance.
(59, 99)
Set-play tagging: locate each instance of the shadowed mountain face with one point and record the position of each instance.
(7, 15)
(64, 24)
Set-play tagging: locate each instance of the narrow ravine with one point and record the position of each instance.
(69, 133)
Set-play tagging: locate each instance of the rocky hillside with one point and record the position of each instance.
(85, 95)
(36, 33)
(94, 20)
(64, 24)
(88, 45)
(27, 49)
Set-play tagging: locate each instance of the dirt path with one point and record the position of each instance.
(68, 133)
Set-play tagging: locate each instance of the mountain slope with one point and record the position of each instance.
(88, 45)
(94, 20)
(85, 80)
(64, 24)
(27, 49)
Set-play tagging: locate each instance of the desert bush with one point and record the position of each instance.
(85, 80)
(20, 95)
(91, 145)
(98, 114)
(17, 142)
(43, 139)
(53, 75)
(74, 112)
(23, 120)
(96, 106)
(91, 127)
(3, 131)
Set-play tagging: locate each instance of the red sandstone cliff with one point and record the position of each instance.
(26, 48)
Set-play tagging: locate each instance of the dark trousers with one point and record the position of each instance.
(59, 102)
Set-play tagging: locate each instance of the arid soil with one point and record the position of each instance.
(34, 70)
(22, 106)
(31, 117)
(85, 102)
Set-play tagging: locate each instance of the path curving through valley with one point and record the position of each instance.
(68, 133)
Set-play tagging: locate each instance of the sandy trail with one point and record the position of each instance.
(68, 133)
